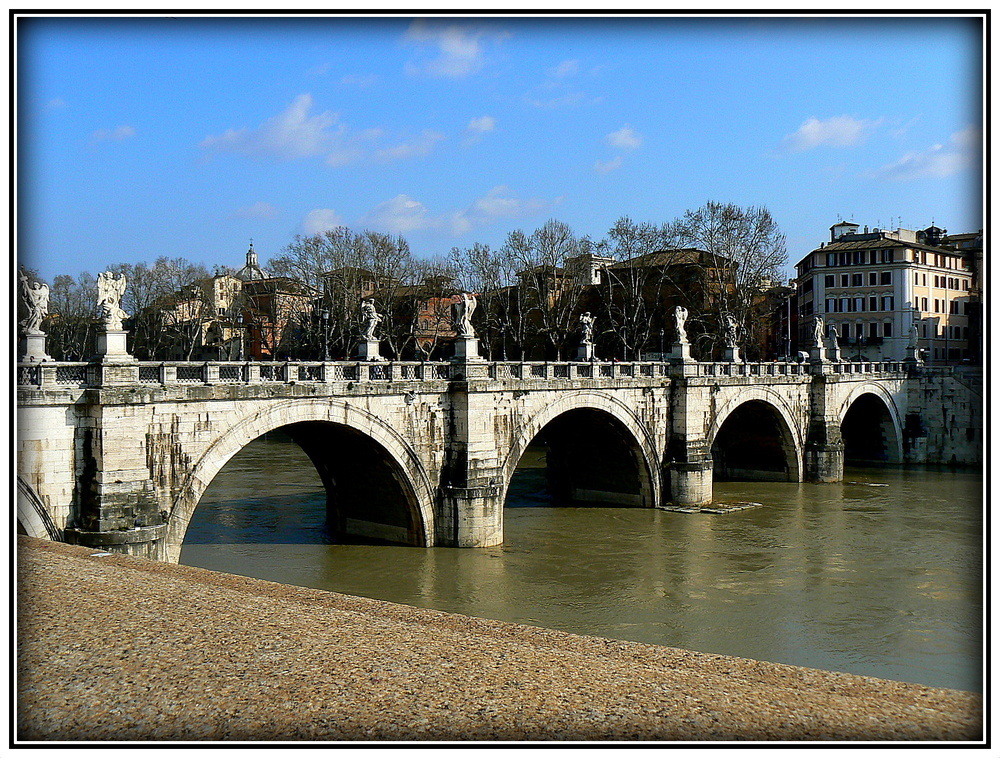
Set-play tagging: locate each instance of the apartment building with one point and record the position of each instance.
(874, 286)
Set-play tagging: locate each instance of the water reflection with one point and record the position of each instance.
(878, 575)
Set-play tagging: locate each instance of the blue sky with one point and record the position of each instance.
(188, 137)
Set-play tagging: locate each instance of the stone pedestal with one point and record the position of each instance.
(833, 351)
(467, 349)
(817, 354)
(585, 352)
(732, 355)
(368, 350)
(681, 353)
(111, 345)
(32, 348)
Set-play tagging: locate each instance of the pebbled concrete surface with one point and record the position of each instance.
(120, 648)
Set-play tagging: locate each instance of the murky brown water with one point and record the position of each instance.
(880, 575)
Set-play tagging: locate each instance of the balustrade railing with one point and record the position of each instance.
(66, 374)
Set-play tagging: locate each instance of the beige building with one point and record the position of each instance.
(876, 286)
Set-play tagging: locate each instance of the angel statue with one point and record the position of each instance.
(818, 331)
(732, 331)
(680, 317)
(587, 327)
(463, 315)
(35, 300)
(369, 319)
(110, 290)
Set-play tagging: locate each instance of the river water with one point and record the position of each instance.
(880, 575)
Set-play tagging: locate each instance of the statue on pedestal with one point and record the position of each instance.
(462, 315)
(35, 301)
(680, 318)
(818, 331)
(369, 319)
(732, 331)
(587, 328)
(110, 290)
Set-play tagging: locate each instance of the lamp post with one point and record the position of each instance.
(239, 328)
(661, 344)
(326, 334)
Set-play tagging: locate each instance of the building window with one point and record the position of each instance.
(845, 305)
(887, 304)
(829, 280)
(831, 305)
(857, 280)
(873, 330)
(873, 303)
(845, 331)
(887, 256)
(859, 303)
(887, 329)
(923, 304)
(872, 278)
(845, 280)
(873, 256)
(916, 279)
(831, 259)
(886, 277)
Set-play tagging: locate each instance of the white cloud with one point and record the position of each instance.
(962, 151)
(499, 202)
(257, 210)
(289, 135)
(417, 147)
(400, 215)
(606, 167)
(482, 124)
(320, 220)
(54, 103)
(113, 135)
(460, 48)
(564, 69)
(837, 131)
(625, 138)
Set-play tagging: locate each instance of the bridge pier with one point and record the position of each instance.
(823, 456)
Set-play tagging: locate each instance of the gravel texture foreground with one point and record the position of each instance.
(119, 648)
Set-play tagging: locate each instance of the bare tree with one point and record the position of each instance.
(548, 296)
(491, 275)
(746, 249)
(70, 325)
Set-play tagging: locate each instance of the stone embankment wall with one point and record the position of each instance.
(945, 422)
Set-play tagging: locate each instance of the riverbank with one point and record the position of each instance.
(119, 648)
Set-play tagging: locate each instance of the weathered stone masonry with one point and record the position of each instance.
(118, 457)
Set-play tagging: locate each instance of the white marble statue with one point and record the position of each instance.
(732, 331)
(831, 332)
(369, 319)
(680, 317)
(914, 342)
(587, 327)
(110, 290)
(463, 315)
(35, 298)
(818, 331)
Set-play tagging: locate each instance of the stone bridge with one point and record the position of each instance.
(118, 455)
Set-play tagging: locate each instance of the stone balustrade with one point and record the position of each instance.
(166, 373)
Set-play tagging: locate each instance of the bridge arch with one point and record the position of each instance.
(603, 407)
(870, 425)
(776, 453)
(308, 416)
(32, 517)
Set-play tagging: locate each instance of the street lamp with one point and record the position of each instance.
(239, 330)
(326, 334)
(661, 344)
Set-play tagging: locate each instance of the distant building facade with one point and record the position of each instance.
(875, 286)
